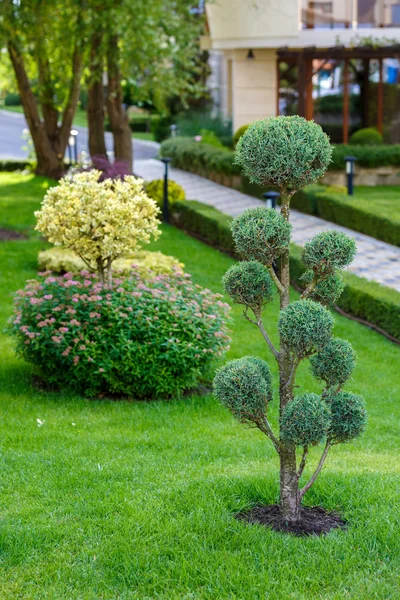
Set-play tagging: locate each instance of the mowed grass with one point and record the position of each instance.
(110, 500)
(380, 200)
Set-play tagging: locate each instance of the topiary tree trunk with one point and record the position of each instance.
(288, 153)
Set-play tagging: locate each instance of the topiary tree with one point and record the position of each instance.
(99, 220)
(288, 153)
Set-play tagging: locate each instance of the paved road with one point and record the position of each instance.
(11, 144)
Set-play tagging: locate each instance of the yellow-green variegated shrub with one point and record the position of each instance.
(63, 260)
(99, 220)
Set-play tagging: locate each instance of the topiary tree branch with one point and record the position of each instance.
(276, 279)
(265, 427)
(259, 323)
(317, 471)
(310, 288)
(302, 462)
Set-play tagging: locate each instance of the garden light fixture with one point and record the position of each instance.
(271, 199)
(73, 146)
(165, 208)
(350, 166)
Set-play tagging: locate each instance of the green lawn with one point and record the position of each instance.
(135, 500)
(383, 200)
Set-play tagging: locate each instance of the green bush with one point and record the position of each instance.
(12, 99)
(337, 208)
(197, 157)
(305, 420)
(209, 137)
(155, 189)
(141, 339)
(147, 264)
(192, 122)
(244, 386)
(334, 363)
(238, 134)
(367, 156)
(284, 152)
(249, 283)
(363, 299)
(160, 127)
(305, 327)
(348, 416)
(366, 137)
(15, 165)
(328, 251)
(327, 291)
(261, 234)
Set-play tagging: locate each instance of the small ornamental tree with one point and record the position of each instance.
(99, 220)
(289, 153)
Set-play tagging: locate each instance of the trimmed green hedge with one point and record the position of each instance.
(367, 156)
(200, 158)
(195, 156)
(15, 165)
(339, 209)
(366, 300)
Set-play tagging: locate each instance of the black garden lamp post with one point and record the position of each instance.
(165, 207)
(350, 167)
(271, 199)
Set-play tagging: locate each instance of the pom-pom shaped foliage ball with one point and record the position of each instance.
(334, 363)
(244, 386)
(261, 234)
(249, 283)
(328, 251)
(284, 152)
(328, 289)
(305, 326)
(305, 420)
(348, 416)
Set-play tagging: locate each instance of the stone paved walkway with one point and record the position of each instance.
(375, 260)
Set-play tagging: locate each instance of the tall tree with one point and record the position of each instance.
(155, 47)
(51, 35)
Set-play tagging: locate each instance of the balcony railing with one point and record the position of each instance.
(350, 14)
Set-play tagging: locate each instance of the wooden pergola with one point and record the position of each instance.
(303, 58)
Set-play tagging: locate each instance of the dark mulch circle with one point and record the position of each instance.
(7, 235)
(314, 520)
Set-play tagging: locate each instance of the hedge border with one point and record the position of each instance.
(217, 165)
(366, 301)
(9, 165)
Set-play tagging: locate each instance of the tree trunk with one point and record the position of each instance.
(289, 484)
(50, 142)
(49, 162)
(118, 119)
(97, 142)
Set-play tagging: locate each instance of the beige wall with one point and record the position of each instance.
(238, 19)
(253, 85)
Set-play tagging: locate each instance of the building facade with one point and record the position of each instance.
(286, 56)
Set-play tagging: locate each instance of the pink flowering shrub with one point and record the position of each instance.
(142, 339)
